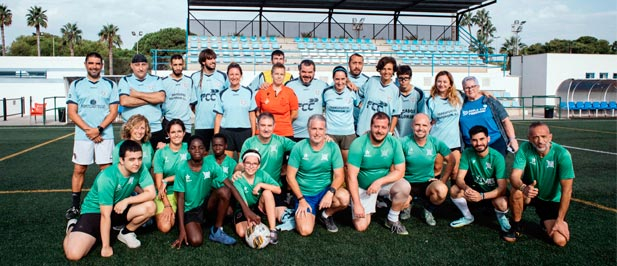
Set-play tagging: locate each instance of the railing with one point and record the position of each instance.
(5, 109)
(530, 102)
(545, 105)
(55, 107)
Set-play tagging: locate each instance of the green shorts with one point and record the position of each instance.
(160, 206)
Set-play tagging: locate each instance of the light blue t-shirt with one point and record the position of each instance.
(207, 88)
(235, 106)
(93, 100)
(359, 81)
(149, 84)
(476, 113)
(446, 117)
(179, 95)
(309, 103)
(376, 97)
(411, 104)
(339, 110)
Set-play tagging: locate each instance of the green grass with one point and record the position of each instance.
(34, 222)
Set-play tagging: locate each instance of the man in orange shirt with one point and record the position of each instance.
(280, 101)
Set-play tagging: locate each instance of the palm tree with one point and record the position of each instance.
(509, 46)
(467, 21)
(109, 34)
(6, 18)
(37, 18)
(71, 35)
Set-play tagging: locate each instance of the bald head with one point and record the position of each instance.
(421, 126)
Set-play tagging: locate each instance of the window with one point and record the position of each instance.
(590, 75)
(614, 75)
(603, 75)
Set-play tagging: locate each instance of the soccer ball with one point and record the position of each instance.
(257, 236)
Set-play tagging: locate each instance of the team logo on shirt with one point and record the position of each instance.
(410, 150)
(305, 157)
(206, 175)
(93, 102)
(532, 161)
(550, 164)
(183, 156)
(243, 103)
(488, 165)
(384, 153)
(273, 148)
(118, 188)
(187, 178)
(367, 153)
(130, 182)
(324, 157)
(429, 152)
(226, 169)
(308, 106)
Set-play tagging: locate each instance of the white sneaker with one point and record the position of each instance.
(70, 224)
(129, 239)
(428, 217)
(406, 214)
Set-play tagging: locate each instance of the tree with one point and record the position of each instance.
(37, 18)
(167, 39)
(71, 35)
(6, 18)
(510, 47)
(109, 34)
(467, 21)
(486, 31)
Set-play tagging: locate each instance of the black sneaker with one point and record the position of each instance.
(329, 223)
(72, 213)
(274, 237)
(509, 236)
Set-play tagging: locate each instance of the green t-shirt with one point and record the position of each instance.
(228, 165)
(146, 150)
(374, 162)
(547, 171)
(166, 162)
(484, 170)
(110, 187)
(197, 185)
(246, 190)
(420, 161)
(315, 168)
(272, 153)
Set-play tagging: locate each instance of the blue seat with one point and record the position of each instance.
(301, 46)
(612, 105)
(398, 41)
(276, 45)
(265, 45)
(224, 38)
(320, 46)
(245, 45)
(596, 107)
(263, 39)
(325, 40)
(298, 39)
(235, 45)
(388, 41)
(213, 38)
(234, 38)
(243, 38)
(272, 39)
(395, 47)
(253, 38)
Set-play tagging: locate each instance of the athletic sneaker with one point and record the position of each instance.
(509, 236)
(70, 224)
(406, 213)
(396, 227)
(274, 237)
(288, 221)
(329, 223)
(428, 217)
(381, 203)
(504, 223)
(72, 213)
(129, 239)
(221, 237)
(461, 222)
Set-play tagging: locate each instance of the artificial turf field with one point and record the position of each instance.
(35, 193)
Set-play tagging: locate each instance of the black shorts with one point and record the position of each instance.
(235, 137)
(90, 223)
(546, 210)
(197, 214)
(157, 137)
(418, 190)
(205, 134)
(470, 182)
(239, 214)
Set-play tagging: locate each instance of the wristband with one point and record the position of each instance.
(300, 198)
(164, 181)
(522, 187)
(167, 206)
(332, 189)
(101, 129)
(482, 194)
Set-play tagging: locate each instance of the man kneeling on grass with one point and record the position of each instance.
(109, 204)
(481, 176)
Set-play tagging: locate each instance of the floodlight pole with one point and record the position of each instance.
(140, 33)
(517, 27)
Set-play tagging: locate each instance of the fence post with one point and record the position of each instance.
(4, 108)
(23, 106)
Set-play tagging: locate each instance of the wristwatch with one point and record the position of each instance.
(100, 129)
(331, 189)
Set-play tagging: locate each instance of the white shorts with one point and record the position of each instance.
(370, 201)
(86, 152)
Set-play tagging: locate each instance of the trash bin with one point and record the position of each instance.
(549, 111)
(62, 114)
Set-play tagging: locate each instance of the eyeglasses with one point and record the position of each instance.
(404, 79)
(470, 87)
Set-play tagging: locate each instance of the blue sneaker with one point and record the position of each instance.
(504, 223)
(288, 221)
(221, 237)
(461, 222)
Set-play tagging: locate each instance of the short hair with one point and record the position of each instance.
(537, 124)
(265, 115)
(355, 54)
(197, 137)
(219, 136)
(384, 61)
(234, 65)
(404, 70)
(174, 122)
(129, 145)
(95, 55)
(339, 68)
(319, 117)
(277, 65)
(306, 62)
(478, 129)
(251, 151)
(380, 116)
(468, 79)
(206, 54)
(176, 57)
(132, 123)
(276, 52)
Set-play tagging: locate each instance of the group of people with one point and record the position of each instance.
(297, 151)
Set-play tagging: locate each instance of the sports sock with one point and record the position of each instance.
(500, 213)
(393, 215)
(125, 231)
(461, 204)
(76, 196)
(324, 214)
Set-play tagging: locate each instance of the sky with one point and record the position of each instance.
(545, 19)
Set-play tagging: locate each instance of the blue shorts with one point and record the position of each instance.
(314, 200)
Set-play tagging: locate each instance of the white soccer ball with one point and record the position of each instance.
(257, 236)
